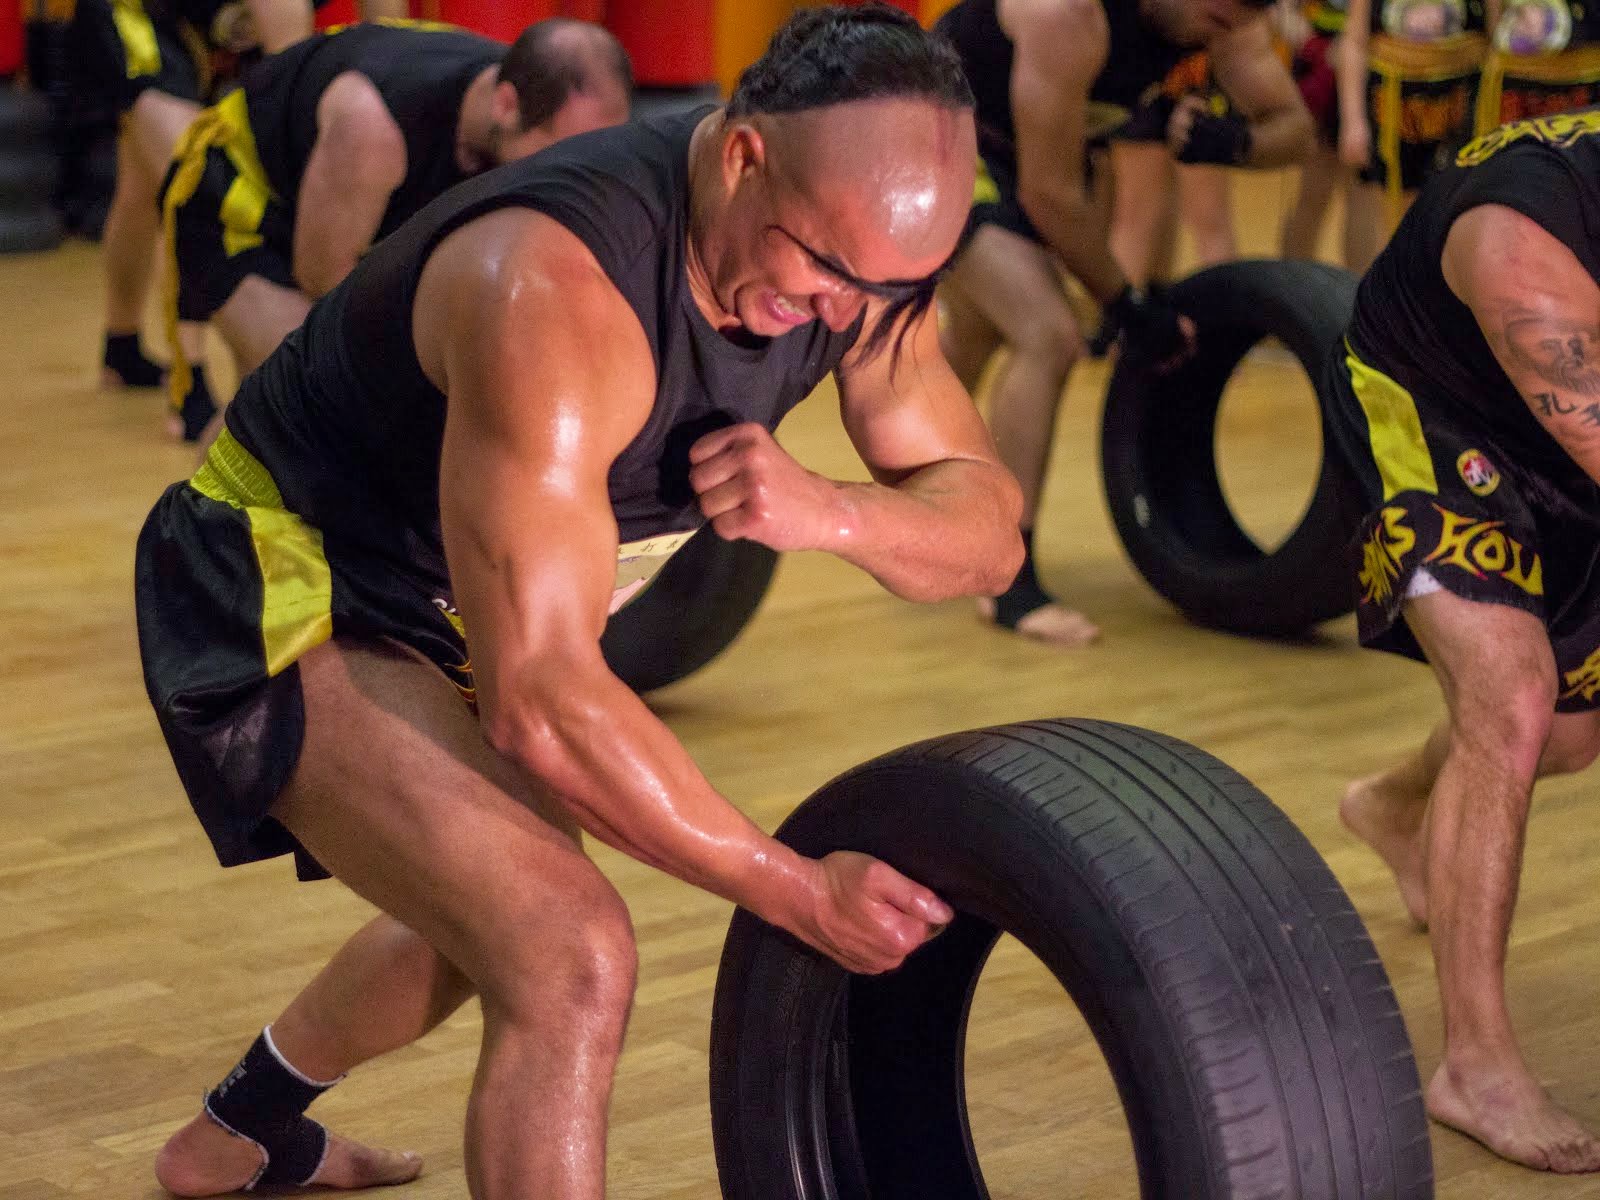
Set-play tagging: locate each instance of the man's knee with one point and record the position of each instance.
(568, 957)
(1574, 745)
(1507, 724)
(1050, 339)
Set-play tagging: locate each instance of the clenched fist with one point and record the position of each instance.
(864, 914)
(751, 487)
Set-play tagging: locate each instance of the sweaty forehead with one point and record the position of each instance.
(888, 181)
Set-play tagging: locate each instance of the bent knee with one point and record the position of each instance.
(1050, 340)
(566, 954)
(1512, 726)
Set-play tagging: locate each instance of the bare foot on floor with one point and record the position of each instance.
(1049, 623)
(1388, 824)
(203, 1159)
(1513, 1116)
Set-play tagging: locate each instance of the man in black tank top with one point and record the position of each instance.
(1053, 77)
(278, 190)
(1469, 407)
(370, 623)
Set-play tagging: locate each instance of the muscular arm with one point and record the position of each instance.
(280, 23)
(940, 518)
(357, 162)
(1255, 80)
(1061, 48)
(1540, 313)
(549, 376)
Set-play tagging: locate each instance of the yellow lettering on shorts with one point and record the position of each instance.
(1584, 682)
(1381, 555)
(1481, 549)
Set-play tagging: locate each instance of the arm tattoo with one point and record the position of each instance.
(1562, 351)
(1549, 404)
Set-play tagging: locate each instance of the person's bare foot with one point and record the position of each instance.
(1391, 825)
(1513, 1116)
(203, 1159)
(1050, 623)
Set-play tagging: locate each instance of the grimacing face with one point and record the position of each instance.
(818, 229)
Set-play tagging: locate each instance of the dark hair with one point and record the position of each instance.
(834, 55)
(555, 57)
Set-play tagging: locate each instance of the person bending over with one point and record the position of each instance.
(370, 623)
(277, 191)
(1469, 403)
(1052, 78)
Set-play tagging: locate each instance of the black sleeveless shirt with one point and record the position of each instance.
(421, 72)
(1137, 59)
(1409, 325)
(351, 429)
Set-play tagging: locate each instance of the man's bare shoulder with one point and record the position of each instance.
(1061, 25)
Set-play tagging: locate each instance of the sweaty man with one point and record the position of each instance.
(353, 131)
(1471, 410)
(371, 622)
(1052, 78)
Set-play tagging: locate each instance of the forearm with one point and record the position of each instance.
(280, 23)
(1350, 76)
(1070, 223)
(948, 530)
(1281, 137)
(605, 758)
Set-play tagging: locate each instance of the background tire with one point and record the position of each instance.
(1158, 457)
(28, 176)
(693, 610)
(28, 230)
(1243, 1011)
(24, 117)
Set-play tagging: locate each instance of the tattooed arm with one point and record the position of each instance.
(1540, 313)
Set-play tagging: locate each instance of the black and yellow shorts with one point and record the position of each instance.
(224, 222)
(994, 201)
(118, 49)
(1421, 99)
(1450, 510)
(1521, 86)
(231, 589)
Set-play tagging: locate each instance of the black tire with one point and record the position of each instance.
(1244, 1014)
(692, 611)
(27, 176)
(29, 230)
(24, 117)
(1159, 464)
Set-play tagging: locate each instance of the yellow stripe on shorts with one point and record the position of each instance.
(139, 46)
(984, 189)
(296, 581)
(1394, 431)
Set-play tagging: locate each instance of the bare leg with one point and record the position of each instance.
(257, 317)
(1388, 810)
(1205, 198)
(129, 241)
(1302, 227)
(384, 989)
(1014, 284)
(1366, 228)
(397, 794)
(967, 337)
(1143, 210)
(1498, 676)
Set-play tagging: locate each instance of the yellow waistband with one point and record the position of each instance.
(232, 475)
(1425, 62)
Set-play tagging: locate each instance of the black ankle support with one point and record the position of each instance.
(198, 407)
(1024, 595)
(122, 355)
(264, 1100)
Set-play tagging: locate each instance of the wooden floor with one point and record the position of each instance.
(133, 971)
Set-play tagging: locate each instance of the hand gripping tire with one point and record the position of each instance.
(691, 612)
(1244, 1014)
(1157, 453)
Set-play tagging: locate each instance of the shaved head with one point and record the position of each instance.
(904, 167)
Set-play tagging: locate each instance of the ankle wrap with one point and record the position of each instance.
(1024, 595)
(264, 1100)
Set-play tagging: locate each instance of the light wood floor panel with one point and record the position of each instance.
(133, 970)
